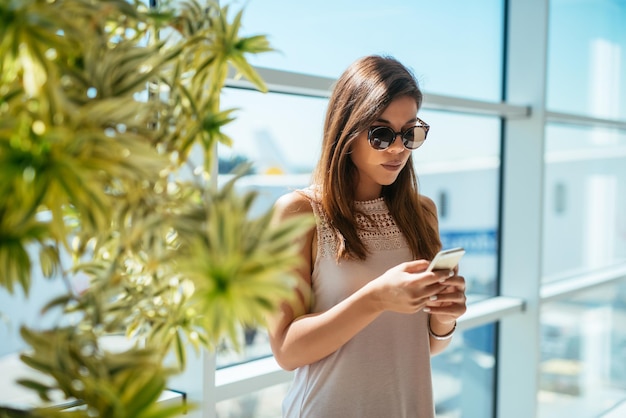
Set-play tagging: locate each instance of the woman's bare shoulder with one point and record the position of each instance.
(293, 203)
(428, 203)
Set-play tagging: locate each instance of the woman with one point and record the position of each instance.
(369, 316)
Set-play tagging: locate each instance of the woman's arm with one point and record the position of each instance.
(298, 337)
(448, 306)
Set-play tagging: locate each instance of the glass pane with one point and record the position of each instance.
(266, 403)
(584, 200)
(18, 309)
(254, 344)
(583, 372)
(587, 58)
(280, 133)
(323, 37)
(464, 375)
(455, 168)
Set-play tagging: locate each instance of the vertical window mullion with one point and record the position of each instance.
(522, 208)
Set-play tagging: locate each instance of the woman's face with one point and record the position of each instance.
(381, 168)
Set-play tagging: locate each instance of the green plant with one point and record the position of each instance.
(102, 103)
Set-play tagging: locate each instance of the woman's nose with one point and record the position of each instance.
(396, 146)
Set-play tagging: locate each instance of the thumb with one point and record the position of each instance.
(416, 266)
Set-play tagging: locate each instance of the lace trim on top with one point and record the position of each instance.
(381, 234)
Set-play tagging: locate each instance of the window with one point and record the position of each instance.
(585, 229)
(584, 197)
(583, 344)
(587, 58)
(436, 39)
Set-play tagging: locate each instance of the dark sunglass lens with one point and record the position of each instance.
(381, 137)
(414, 137)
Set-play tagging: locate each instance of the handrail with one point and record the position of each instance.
(489, 310)
(567, 286)
(287, 82)
(573, 119)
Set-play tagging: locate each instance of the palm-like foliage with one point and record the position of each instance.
(101, 104)
(110, 384)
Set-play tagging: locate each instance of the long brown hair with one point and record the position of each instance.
(359, 97)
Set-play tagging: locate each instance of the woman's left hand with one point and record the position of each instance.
(449, 304)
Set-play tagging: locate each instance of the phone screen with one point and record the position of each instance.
(446, 259)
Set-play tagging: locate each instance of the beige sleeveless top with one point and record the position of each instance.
(384, 371)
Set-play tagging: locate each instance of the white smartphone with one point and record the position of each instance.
(446, 259)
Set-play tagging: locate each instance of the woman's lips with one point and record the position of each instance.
(392, 165)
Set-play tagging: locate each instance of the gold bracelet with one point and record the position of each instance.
(440, 337)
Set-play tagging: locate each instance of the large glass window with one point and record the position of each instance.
(435, 38)
(583, 373)
(587, 58)
(584, 200)
(584, 224)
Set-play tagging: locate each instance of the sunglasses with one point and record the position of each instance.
(381, 137)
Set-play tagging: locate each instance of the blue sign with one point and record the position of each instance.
(474, 242)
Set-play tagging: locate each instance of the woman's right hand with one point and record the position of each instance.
(407, 287)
